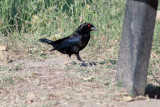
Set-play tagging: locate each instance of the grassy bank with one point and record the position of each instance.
(24, 22)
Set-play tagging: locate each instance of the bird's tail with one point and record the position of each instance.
(46, 41)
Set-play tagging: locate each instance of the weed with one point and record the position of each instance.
(43, 55)
(4, 68)
(18, 67)
(119, 84)
(7, 81)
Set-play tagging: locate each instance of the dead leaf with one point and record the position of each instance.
(87, 6)
(127, 98)
(3, 48)
(140, 98)
(44, 98)
(90, 78)
(30, 98)
(51, 96)
(2, 57)
(56, 37)
(66, 62)
(158, 16)
(34, 19)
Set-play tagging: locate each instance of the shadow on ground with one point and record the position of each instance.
(94, 63)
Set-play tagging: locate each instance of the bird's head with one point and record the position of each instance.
(86, 27)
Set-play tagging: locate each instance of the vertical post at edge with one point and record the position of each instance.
(135, 45)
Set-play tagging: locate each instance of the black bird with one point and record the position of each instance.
(73, 43)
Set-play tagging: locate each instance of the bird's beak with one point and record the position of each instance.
(93, 28)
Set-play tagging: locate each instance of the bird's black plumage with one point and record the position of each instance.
(73, 43)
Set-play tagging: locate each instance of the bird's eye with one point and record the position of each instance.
(89, 25)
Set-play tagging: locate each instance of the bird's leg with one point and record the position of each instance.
(69, 56)
(78, 57)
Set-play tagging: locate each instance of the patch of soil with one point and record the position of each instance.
(60, 81)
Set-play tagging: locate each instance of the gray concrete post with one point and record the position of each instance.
(135, 45)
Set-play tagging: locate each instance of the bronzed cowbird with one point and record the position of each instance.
(73, 43)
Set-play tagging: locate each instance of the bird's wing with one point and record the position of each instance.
(62, 39)
(68, 42)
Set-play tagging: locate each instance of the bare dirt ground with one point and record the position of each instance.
(63, 82)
